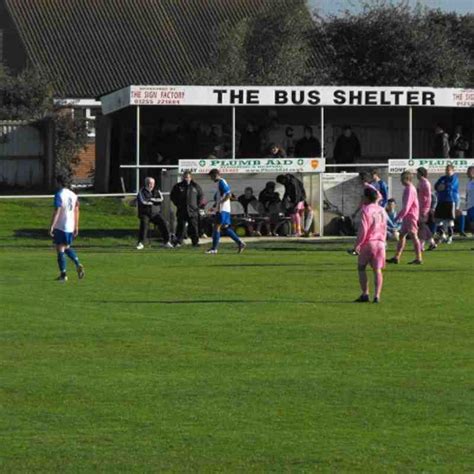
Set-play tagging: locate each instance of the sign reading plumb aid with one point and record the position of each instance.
(433, 165)
(254, 165)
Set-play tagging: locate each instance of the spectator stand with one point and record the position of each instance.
(422, 103)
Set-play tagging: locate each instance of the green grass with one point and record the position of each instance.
(178, 361)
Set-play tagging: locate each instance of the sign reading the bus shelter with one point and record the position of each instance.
(287, 96)
(433, 165)
(254, 165)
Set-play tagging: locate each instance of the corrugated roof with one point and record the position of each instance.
(88, 47)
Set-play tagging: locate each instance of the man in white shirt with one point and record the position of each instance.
(65, 226)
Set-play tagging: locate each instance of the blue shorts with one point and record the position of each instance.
(470, 214)
(223, 218)
(62, 238)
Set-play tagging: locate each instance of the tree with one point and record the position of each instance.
(27, 96)
(273, 47)
(394, 44)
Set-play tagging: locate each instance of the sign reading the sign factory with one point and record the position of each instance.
(254, 165)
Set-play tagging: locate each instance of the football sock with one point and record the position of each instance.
(72, 255)
(216, 237)
(400, 247)
(364, 284)
(418, 248)
(230, 232)
(61, 262)
(378, 277)
(450, 231)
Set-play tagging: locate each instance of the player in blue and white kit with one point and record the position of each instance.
(65, 226)
(447, 190)
(222, 222)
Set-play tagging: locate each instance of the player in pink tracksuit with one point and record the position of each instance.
(370, 244)
(409, 216)
(424, 200)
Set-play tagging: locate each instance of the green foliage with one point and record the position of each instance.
(394, 44)
(271, 48)
(27, 96)
(70, 140)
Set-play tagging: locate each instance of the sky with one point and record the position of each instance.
(333, 6)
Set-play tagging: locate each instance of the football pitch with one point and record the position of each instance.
(178, 361)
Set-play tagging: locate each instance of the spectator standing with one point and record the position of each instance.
(187, 196)
(380, 186)
(250, 142)
(274, 132)
(459, 144)
(293, 200)
(308, 146)
(149, 201)
(289, 141)
(347, 149)
(441, 143)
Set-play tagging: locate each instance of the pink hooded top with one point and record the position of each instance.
(373, 225)
(410, 207)
(424, 196)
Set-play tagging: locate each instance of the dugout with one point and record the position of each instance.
(391, 122)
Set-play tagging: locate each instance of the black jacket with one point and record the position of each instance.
(268, 197)
(245, 202)
(294, 190)
(308, 147)
(347, 149)
(149, 202)
(187, 197)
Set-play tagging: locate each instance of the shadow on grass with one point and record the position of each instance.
(221, 301)
(85, 233)
(322, 248)
(237, 265)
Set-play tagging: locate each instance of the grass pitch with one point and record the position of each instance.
(179, 361)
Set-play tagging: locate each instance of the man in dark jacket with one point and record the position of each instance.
(149, 201)
(441, 145)
(308, 146)
(187, 196)
(347, 149)
(293, 200)
(294, 191)
(247, 198)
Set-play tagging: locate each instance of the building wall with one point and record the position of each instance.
(84, 170)
(22, 155)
